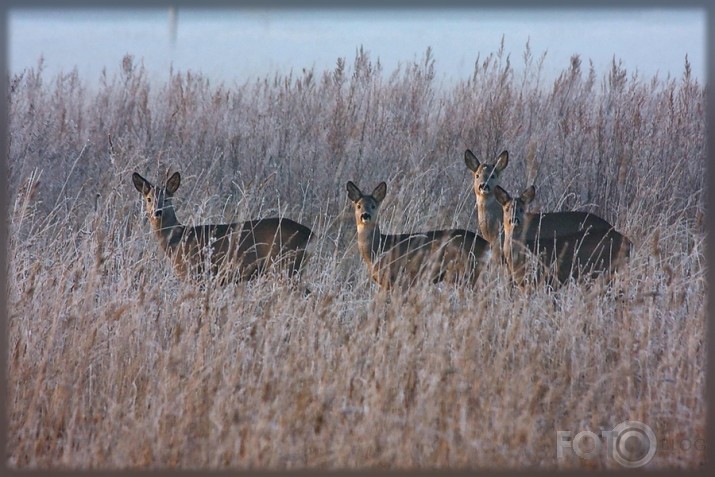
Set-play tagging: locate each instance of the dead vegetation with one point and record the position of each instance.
(116, 363)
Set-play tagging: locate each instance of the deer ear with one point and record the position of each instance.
(379, 193)
(141, 184)
(528, 194)
(471, 160)
(502, 161)
(354, 193)
(173, 183)
(501, 195)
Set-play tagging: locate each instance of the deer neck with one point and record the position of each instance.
(507, 247)
(369, 241)
(514, 250)
(490, 215)
(168, 230)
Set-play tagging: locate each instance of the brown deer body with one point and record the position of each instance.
(588, 252)
(490, 216)
(454, 255)
(233, 252)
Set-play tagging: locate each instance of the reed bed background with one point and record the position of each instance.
(116, 363)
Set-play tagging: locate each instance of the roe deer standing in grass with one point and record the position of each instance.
(588, 252)
(455, 255)
(489, 211)
(234, 251)
(489, 214)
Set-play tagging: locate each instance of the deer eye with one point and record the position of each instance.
(148, 199)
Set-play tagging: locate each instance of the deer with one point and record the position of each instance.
(233, 252)
(489, 211)
(584, 253)
(454, 256)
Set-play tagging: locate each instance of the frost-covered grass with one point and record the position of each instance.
(116, 363)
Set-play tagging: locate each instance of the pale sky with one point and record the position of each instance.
(239, 45)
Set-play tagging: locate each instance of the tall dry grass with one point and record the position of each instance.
(116, 363)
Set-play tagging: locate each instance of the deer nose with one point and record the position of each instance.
(157, 213)
(484, 187)
(365, 217)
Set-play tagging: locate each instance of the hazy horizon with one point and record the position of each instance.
(242, 45)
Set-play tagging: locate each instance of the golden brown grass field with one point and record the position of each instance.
(115, 363)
